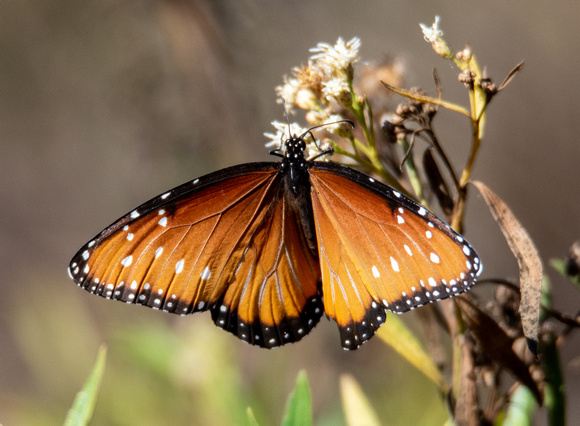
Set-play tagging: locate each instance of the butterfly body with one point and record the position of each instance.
(269, 247)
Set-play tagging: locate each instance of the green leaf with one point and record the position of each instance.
(84, 405)
(252, 421)
(398, 336)
(298, 406)
(521, 408)
(357, 408)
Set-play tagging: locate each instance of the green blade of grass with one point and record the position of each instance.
(298, 407)
(356, 406)
(252, 421)
(398, 336)
(83, 406)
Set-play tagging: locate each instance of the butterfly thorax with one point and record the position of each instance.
(294, 169)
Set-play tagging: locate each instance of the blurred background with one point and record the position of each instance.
(106, 104)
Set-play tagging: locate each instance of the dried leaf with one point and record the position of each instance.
(427, 99)
(437, 183)
(496, 343)
(511, 75)
(529, 263)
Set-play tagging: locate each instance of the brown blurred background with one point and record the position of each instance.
(105, 104)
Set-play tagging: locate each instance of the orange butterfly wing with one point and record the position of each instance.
(227, 242)
(379, 249)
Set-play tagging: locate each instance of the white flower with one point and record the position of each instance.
(339, 56)
(433, 33)
(313, 149)
(279, 138)
(335, 88)
(288, 90)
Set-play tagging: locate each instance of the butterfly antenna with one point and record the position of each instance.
(326, 124)
(309, 132)
(287, 118)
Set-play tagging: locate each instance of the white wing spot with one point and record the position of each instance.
(223, 308)
(164, 196)
(205, 274)
(134, 285)
(200, 305)
(422, 211)
(146, 286)
(134, 214)
(371, 180)
(130, 236)
(432, 282)
(163, 221)
(400, 219)
(376, 272)
(86, 254)
(466, 250)
(158, 252)
(92, 243)
(86, 269)
(160, 212)
(127, 261)
(125, 227)
(195, 181)
(434, 258)
(431, 225)
(408, 250)
(394, 264)
(179, 266)
(468, 264)
(429, 234)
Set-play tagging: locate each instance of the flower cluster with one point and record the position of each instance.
(322, 88)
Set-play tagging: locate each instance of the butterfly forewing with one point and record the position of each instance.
(381, 250)
(223, 242)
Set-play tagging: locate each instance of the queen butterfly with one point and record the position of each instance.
(268, 247)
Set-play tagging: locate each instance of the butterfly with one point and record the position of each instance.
(270, 247)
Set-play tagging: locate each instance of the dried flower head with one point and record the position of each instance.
(434, 35)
